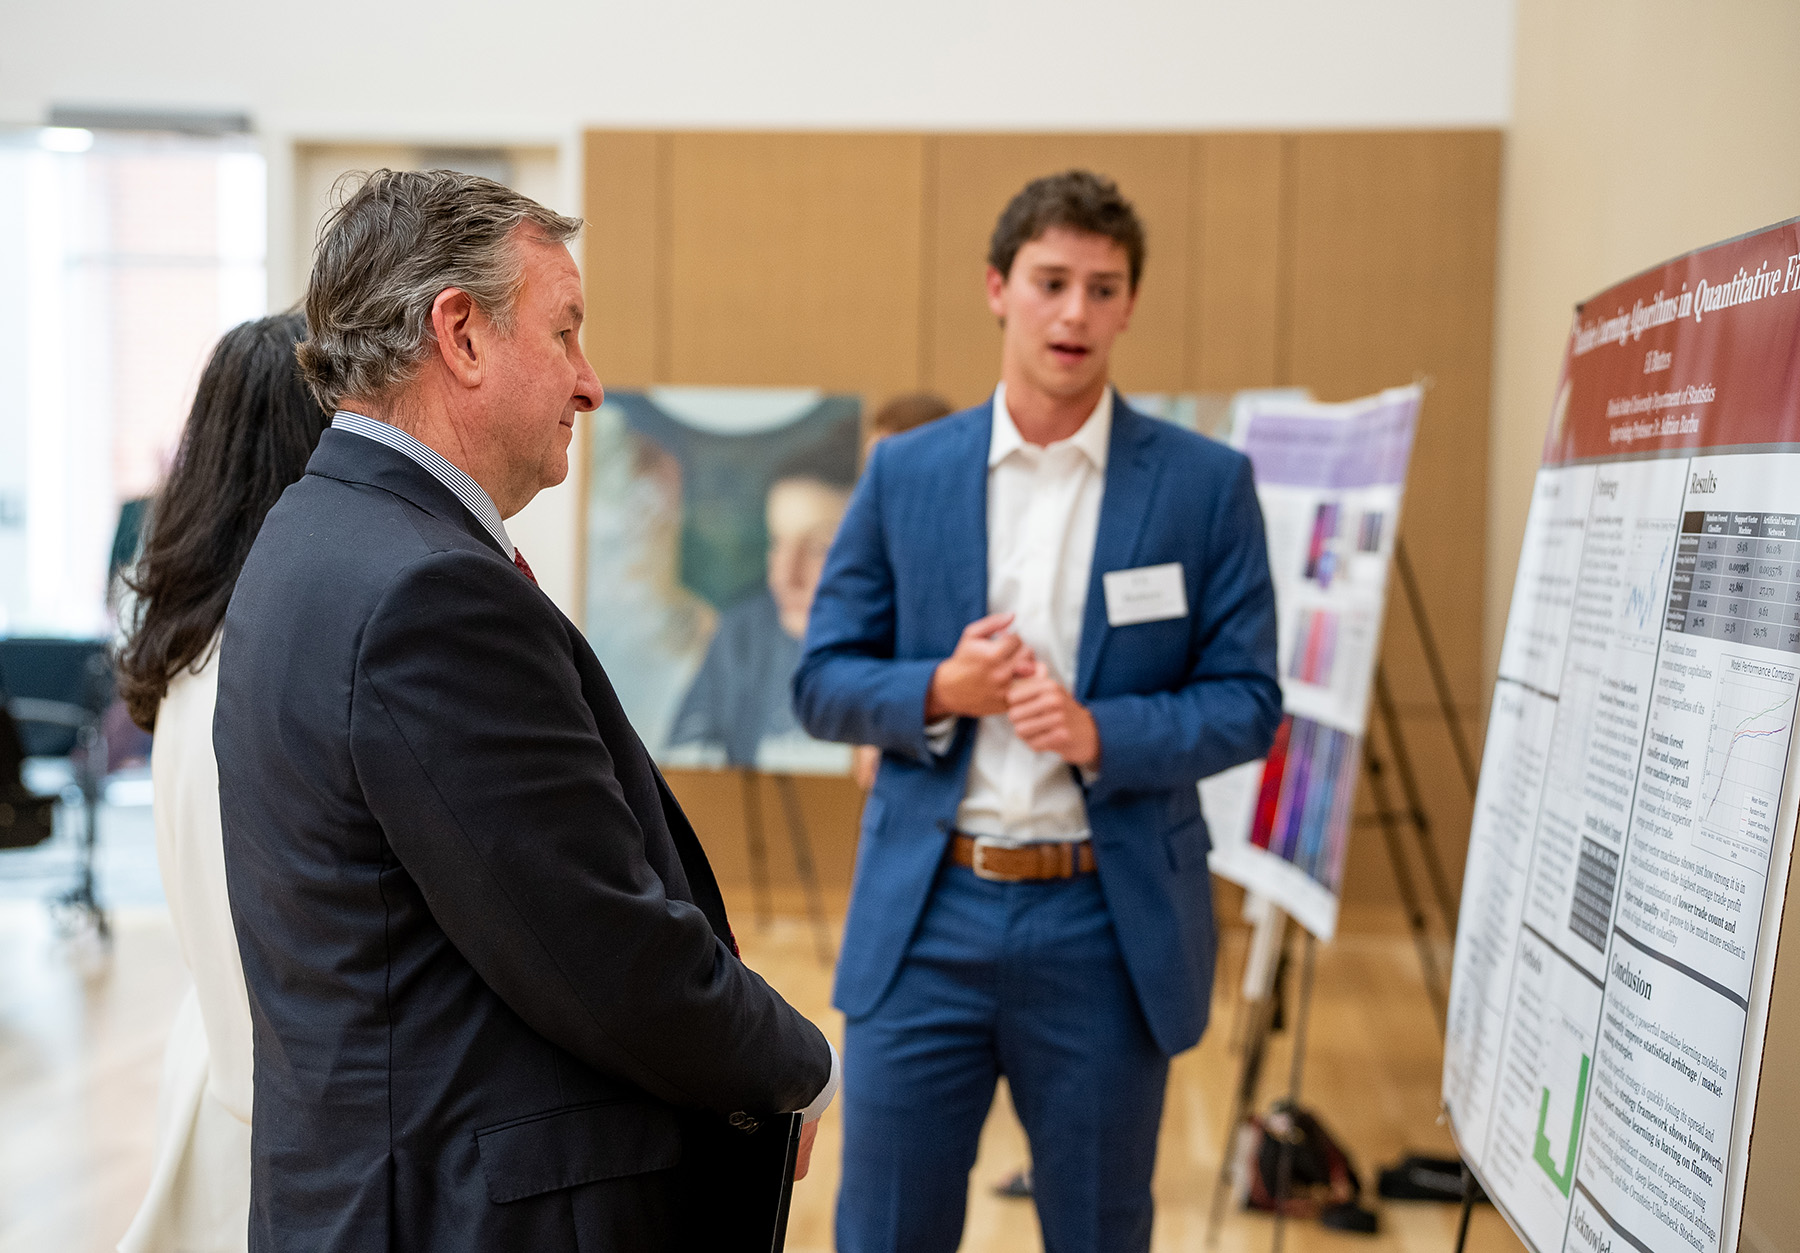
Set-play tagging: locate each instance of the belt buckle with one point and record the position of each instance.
(978, 861)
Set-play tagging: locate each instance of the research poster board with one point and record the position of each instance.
(1329, 478)
(1635, 818)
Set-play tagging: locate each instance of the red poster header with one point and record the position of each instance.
(1700, 353)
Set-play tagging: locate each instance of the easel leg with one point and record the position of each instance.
(1296, 1071)
(754, 846)
(1434, 662)
(1415, 804)
(803, 866)
(1468, 1208)
(1409, 895)
(1266, 944)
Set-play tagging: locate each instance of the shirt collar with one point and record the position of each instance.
(474, 498)
(1092, 438)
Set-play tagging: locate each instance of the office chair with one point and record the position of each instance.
(25, 817)
(57, 690)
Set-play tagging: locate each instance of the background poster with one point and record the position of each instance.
(1329, 478)
(1634, 823)
(708, 513)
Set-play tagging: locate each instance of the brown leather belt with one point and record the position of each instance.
(1024, 863)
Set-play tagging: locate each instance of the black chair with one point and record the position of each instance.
(25, 817)
(57, 691)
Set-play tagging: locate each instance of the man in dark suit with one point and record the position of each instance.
(1054, 616)
(493, 985)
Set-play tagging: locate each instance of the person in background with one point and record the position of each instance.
(252, 427)
(902, 413)
(1054, 615)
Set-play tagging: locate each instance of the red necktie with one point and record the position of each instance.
(524, 566)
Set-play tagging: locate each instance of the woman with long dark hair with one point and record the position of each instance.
(253, 426)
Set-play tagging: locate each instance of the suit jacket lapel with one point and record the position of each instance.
(1131, 475)
(964, 516)
(353, 458)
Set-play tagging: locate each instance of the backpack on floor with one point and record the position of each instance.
(1321, 1181)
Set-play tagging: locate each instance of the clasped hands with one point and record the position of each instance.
(993, 671)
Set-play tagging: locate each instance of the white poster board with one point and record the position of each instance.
(1329, 478)
(1635, 818)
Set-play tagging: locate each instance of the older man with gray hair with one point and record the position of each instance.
(496, 1000)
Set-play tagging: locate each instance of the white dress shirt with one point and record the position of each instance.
(479, 503)
(1043, 510)
(473, 496)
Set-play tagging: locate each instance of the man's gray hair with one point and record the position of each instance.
(386, 252)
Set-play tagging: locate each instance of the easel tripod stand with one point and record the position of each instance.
(1269, 941)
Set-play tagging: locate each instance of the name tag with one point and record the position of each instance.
(1146, 594)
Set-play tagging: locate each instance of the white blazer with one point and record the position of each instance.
(199, 1197)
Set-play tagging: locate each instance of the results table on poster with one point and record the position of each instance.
(1737, 576)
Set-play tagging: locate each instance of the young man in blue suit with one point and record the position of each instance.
(1054, 616)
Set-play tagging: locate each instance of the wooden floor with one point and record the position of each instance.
(80, 1045)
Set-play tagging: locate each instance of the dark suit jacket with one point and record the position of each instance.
(488, 963)
(1174, 700)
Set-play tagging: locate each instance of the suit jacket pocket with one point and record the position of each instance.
(583, 1144)
(1187, 844)
(873, 809)
(1185, 832)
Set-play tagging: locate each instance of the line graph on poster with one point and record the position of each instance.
(1746, 757)
(1647, 581)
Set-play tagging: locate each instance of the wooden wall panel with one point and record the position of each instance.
(1771, 1202)
(1234, 281)
(795, 259)
(621, 247)
(1393, 279)
(1342, 262)
(1389, 277)
(975, 175)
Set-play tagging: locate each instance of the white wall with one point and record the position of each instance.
(482, 68)
(468, 72)
(1641, 129)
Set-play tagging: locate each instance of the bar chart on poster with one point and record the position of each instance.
(1634, 825)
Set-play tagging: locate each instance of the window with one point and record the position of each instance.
(123, 256)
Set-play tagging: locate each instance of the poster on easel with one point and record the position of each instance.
(1635, 818)
(1330, 478)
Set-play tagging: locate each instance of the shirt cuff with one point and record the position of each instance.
(940, 734)
(811, 1112)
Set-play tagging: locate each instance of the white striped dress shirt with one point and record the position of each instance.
(474, 498)
(1043, 515)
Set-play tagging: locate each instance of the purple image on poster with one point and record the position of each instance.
(1369, 446)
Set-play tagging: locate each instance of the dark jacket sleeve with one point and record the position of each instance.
(849, 686)
(1227, 710)
(481, 759)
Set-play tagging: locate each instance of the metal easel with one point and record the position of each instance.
(1269, 941)
(1390, 818)
(799, 842)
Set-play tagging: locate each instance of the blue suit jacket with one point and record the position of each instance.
(1174, 701)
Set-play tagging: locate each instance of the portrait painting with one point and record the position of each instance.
(708, 515)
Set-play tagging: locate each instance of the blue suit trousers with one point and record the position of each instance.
(1025, 980)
